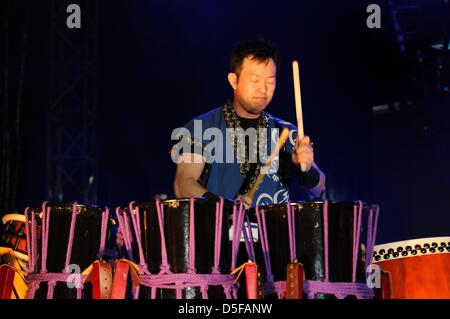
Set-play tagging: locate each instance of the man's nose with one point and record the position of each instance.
(262, 87)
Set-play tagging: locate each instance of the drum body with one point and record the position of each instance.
(330, 240)
(183, 236)
(418, 268)
(71, 237)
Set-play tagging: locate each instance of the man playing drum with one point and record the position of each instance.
(222, 152)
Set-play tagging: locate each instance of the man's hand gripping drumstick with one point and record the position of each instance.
(303, 154)
(248, 198)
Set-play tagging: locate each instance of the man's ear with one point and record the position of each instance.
(232, 78)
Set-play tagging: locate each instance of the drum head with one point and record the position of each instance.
(418, 268)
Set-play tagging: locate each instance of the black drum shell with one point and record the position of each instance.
(176, 231)
(310, 245)
(86, 243)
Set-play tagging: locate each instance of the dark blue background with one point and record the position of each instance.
(163, 62)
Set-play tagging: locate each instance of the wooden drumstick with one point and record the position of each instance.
(281, 141)
(298, 105)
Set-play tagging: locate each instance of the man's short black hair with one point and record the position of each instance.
(260, 50)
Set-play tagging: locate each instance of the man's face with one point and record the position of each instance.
(255, 85)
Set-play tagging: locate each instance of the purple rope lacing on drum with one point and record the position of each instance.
(234, 223)
(269, 286)
(135, 218)
(291, 231)
(218, 236)
(240, 225)
(165, 267)
(30, 265)
(371, 234)
(44, 239)
(34, 279)
(71, 235)
(238, 222)
(325, 236)
(44, 248)
(33, 242)
(341, 289)
(124, 231)
(248, 239)
(178, 281)
(129, 235)
(103, 231)
(34, 236)
(278, 287)
(192, 269)
(356, 237)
